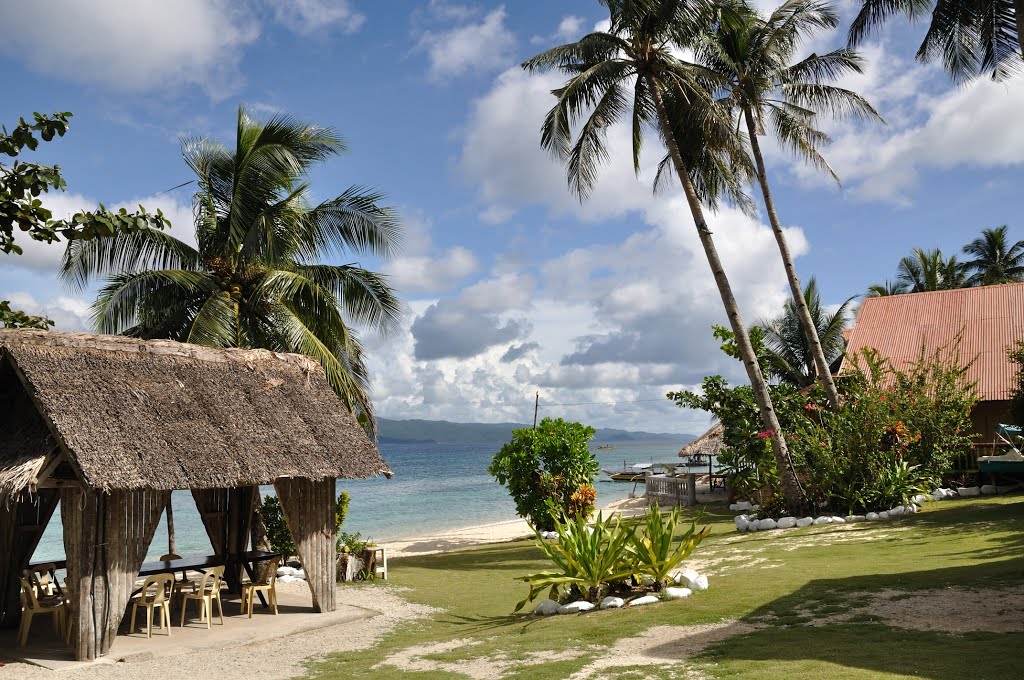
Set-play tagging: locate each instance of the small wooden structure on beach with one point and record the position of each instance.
(109, 426)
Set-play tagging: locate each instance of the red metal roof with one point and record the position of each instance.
(991, 318)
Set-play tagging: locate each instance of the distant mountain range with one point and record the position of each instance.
(427, 431)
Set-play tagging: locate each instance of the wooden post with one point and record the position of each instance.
(106, 537)
(212, 505)
(22, 524)
(308, 507)
(691, 489)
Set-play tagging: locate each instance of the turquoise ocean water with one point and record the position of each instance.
(436, 487)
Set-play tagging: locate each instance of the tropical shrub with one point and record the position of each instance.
(657, 551)
(549, 471)
(586, 559)
(849, 458)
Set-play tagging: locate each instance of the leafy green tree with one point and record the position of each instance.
(887, 288)
(923, 271)
(1017, 396)
(21, 208)
(771, 90)
(633, 68)
(787, 356)
(544, 467)
(253, 280)
(994, 259)
(969, 37)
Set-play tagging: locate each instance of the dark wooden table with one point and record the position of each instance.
(247, 559)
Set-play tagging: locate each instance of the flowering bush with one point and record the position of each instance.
(896, 432)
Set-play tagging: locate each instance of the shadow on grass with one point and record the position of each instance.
(877, 647)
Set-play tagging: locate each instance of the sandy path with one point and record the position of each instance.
(274, 659)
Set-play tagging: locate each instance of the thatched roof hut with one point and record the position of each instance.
(113, 424)
(708, 444)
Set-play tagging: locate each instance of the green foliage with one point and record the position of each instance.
(341, 509)
(350, 542)
(1017, 397)
(544, 468)
(277, 528)
(21, 184)
(14, 318)
(850, 458)
(586, 558)
(728, 340)
(657, 551)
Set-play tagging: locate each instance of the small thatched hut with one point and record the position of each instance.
(708, 444)
(110, 425)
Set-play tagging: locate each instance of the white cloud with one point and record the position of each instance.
(570, 28)
(67, 313)
(478, 46)
(309, 16)
(424, 268)
(130, 46)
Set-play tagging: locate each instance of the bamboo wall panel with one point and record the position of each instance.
(106, 537)
(21, 526)
(309, 510)
(213, 510)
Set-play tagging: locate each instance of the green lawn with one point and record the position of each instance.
(936, 595)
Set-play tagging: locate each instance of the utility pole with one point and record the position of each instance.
(536, 405)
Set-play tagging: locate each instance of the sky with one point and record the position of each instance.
(512, 285)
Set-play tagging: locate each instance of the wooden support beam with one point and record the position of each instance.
(308, 507)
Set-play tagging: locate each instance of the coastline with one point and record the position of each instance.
(495, 532)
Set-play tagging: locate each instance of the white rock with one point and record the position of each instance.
(286, 571)
(676, 593)
(752, 526)
(646, 599)
(911, 509)
(883, 515)
(286, 579)
(742, 505)
(989, 489)
(755, 506)
(576, 607)
(546, 608)
(686, 576)
(836, 519)
(700, 583)
(612, 602)
(786, 523)
(856, 518)
(805, 521)
(742, 523)
(821, 520)
(766, 524)
(969, 491)
(920, 498)
(871, 516)
(299, 575)
(647, 580)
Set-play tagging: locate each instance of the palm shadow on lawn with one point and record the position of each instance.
(868, 644)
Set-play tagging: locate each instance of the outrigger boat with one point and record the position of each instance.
(629, 473)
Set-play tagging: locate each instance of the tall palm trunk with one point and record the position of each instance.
(170, 523)
(791, 488)
(802, 311)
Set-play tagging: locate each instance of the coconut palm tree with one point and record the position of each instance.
(787, 354)
(253, 280)
(995, 260)
(969, 37)
(887, 288)
(632, 68)
(770, 90)
(928, 270)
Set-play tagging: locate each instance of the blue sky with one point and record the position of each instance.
(512, 286)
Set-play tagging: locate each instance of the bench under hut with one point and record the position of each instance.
(109, 426)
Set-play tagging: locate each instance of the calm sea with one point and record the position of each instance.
(435, 487)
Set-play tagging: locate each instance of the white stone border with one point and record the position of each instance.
(687, 581)
(748, 523)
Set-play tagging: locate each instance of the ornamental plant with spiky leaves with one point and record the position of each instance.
(659, 548)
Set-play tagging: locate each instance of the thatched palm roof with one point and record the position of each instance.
(709, 443)
(130, 414)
